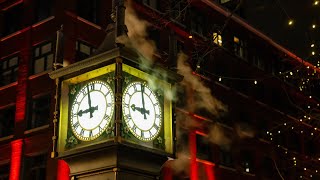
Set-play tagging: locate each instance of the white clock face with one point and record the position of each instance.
(142, 111)
(92, 110)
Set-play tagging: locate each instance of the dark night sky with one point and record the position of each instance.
(271, 17)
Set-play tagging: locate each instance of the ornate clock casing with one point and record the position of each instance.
(91, 110)
(87, 109)
(146, 112)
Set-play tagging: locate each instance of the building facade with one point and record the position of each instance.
(267, 130)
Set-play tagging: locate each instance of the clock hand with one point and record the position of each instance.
(89, 101)
(91, 110)
(143, 106)
(141, 110)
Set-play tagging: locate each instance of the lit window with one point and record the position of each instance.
(83, 50)
(9, 70)
(217, 39)
(35, 167)
(7, 117)
(39, 112)
(42, 57)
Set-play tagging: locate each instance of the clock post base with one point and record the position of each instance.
(116, 162)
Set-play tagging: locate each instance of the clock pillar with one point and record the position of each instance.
(118, 99)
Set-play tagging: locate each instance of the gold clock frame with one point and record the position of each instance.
(64, 100)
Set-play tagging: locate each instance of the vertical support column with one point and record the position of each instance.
(16, 157)
(193, 155)
(121, 28)
(21, 95)
(118, 99)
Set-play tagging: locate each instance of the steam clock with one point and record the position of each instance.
(114, 120)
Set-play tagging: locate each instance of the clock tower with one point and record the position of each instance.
(112, 118)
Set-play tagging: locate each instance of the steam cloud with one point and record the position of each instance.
(138, 39)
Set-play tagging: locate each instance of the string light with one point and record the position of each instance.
(255, 82)
(313, 26)
(190, 36)
(312, 45)
(316, 3)
(313, 53)
(290, 22)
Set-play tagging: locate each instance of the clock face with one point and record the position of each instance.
(142, 111)
(92, 110)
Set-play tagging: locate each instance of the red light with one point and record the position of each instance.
(193, 156)
(63, 170)
(16, 152)
(210, 171)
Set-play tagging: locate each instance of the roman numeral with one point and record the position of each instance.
(127, 116)
(135, 87)
(82, 132)
(156, 126)
(156, 104)
(157, 115)
(100, 129)
(75, 125)
(92, 86)
(106, 117)
(109, 104)
(83, 91)
(108, 92)
(90, 134)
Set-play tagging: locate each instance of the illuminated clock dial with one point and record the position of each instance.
(91, 110)
(142, 111)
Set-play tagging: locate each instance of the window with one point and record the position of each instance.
(240, 47)
(88, 10)
(247, 161)
(224, 1)
(202, 148)
(9, 70)
(83, 50)
(42, 10)
(35, 167)
(151, 3)
(42, 57)
(267, 167)
(197, 22)
(7, 117)
(39, 112)
(4, 171)
(217, 39)
(225, 157)
(12, 20)
(178, 10)
(258, 62)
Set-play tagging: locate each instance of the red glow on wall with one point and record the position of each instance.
(63, 170)
(210, 172)
(193, 156)
(16, 155)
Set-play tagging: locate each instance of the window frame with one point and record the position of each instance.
(14, 70)
(6, 108)
(41, 55)
(32, 121)
(79, 56)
